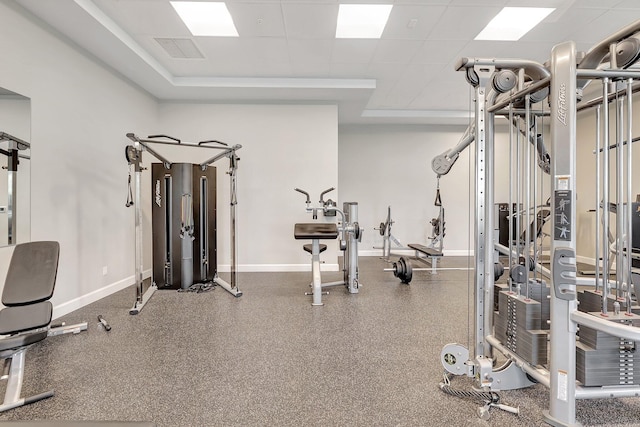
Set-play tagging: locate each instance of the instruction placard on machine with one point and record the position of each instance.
(562, 224)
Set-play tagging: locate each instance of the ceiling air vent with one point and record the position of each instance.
(180, 48)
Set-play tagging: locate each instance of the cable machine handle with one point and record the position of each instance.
(213, 141)
(164, 136)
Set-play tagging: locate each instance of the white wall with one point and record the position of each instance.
(79, 116)
(283, 147)
(391, 165)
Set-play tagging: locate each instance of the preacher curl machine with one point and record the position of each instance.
(350, 234)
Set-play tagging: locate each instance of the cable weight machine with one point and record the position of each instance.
(183, 218)
(588, 348)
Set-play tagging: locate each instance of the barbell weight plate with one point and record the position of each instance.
(407, 270)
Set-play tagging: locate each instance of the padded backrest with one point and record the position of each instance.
(32, 273)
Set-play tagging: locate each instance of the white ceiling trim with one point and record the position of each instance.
(428, 114)
(217, 82)
(96, 13)
(274, 83)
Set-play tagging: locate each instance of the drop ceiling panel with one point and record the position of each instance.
(438, 51)
(145, 17)
(398, 51)
(463, 23)
(412, 21)
(291, 44)
(564, 26)
(310, 20)
(349, 70)
(353, 50)
(257, 19)
(310, 50)
(605, 25)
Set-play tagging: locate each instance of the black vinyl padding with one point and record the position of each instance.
(315, 230)
(32, 273)
(309, 248)
(425, 250)
(25, 318)
(17, 341)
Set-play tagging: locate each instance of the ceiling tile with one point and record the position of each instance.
(310, 50)
(462, 23)
(349, 70)
(257, 19)
(398, 51)
(438, 51)
(144, 17)
(307, 20)
(401, 23)
(353, 50)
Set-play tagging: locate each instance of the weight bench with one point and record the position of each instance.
(316, 232)
(25, 320)
(431, 257)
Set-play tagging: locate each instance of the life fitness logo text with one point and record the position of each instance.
(562, 104)
(158, 196)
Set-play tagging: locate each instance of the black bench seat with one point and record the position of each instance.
(425, 250)
(315, 230)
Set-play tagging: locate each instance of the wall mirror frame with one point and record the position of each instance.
(15, 172)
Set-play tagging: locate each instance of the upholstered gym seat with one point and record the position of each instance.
(25, 320)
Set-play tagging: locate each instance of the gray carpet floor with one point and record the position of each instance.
(269, 358)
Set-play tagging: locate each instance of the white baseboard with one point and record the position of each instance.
(411, 252)
(74, 304)
(586, 260)
(276, 268)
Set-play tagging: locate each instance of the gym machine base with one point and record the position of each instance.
(178, 188)
(350, 234)
(601, 364)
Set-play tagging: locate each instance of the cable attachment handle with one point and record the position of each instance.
(438, 201)
(129, 193)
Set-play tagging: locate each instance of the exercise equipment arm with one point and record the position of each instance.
(443, 163)
(308, 202)
(142, 143)
(537, 140)
(325, 192)
(21, 145)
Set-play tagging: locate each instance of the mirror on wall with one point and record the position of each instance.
(15, 155)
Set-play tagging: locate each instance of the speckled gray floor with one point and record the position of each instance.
(270, 359)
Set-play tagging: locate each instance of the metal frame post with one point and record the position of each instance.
(562, 358)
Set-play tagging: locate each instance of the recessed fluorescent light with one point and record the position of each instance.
(206, 18)
(513, 22)
(362, 21)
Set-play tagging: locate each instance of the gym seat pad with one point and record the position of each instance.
(59, 423)
(25, 318)
(31, 263)
(315, 230)
(425, 250)
(12, 343)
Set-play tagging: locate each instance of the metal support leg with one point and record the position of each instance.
(316, 284)
(12, 397)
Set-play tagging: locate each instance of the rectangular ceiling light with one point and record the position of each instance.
(513, 22)
(362, 21)
(206, 18)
